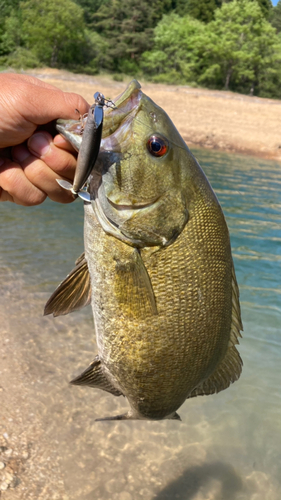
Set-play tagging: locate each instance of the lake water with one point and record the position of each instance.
(228, 446)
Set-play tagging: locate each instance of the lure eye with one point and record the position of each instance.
(157, 146)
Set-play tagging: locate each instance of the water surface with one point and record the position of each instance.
(228, 446)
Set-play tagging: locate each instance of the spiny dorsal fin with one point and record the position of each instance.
(229, 369)
(73, 293)
(94, 376)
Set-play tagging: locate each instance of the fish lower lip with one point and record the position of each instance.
(136, 206)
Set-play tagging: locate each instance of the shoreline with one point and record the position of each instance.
(209, 119)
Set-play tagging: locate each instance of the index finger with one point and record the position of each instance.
(26, 103)
(45, 104)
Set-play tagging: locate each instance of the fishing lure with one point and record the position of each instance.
(90, 146)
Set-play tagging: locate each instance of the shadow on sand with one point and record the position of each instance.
(186, 486)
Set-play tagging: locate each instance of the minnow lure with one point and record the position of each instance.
(90, 145)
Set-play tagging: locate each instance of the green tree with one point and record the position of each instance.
(90, 7)
(242, 48)
(8, 8)
(275, 17)
(265, 6)
(53, 31)
(239, 51)
(199, 9)
(128, 28)
(178, 50)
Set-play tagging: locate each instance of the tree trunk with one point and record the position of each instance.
(54, 56)
(228, 76)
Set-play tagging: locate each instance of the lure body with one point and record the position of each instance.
(90, 146)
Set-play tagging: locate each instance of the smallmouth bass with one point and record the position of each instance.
(157, 267)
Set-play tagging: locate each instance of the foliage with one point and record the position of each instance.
(54, 31)
(128, 28)
(266, 7)
(243, 48)
(199, 9)
(20, 58)
(90, 7)
(229, 44)
(178, 48)
(275, 17)
(11, 33)
(238, 50)
(93, 54)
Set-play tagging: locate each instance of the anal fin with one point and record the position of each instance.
(227, 372)
(73, 293)
(94, 376)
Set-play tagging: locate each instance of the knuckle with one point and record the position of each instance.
(35, 199)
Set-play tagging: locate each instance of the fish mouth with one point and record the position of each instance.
(116, 132)
(125, 104)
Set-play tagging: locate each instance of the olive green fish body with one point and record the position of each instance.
(157, 266)
(158, 359)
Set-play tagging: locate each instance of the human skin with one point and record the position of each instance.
(32, 156)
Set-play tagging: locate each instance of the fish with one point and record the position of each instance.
(157, 268)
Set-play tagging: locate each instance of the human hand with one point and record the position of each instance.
(30, 159)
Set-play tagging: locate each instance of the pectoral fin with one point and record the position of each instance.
(73, 293)
(133, 288)
(94, 376)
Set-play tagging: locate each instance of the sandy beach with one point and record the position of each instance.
(211, 119)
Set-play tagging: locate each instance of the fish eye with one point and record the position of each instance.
(157, 146)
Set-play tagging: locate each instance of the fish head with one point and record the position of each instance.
(137, 183)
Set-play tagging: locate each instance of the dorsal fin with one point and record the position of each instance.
(229, 369)
(73, 293)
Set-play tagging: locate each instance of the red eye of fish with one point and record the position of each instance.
(157, 146)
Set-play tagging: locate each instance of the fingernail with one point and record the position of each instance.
(39, 144)
(20, 153)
